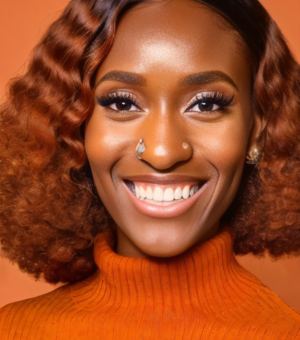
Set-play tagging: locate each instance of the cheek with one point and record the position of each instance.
(103, 144)
(224, 147)
(101, 149)
(227, 148)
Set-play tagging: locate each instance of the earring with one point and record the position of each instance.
(253, 156)
(140, 149)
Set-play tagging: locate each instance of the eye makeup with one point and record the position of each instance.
(122, 100)
(208, 101)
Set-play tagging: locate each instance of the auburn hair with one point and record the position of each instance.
(49, 209)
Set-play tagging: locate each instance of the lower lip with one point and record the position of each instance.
(168, 211)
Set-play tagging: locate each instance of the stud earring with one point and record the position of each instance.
(140, 149)
(253, 156)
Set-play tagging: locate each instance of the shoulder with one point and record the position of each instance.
(271, 309)
(20, 317)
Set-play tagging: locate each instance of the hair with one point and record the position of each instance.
(49, 209)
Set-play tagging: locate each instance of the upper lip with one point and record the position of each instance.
(164, 178)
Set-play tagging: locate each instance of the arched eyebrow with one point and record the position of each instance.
(207, 77)
(124, 77)
(201, 78)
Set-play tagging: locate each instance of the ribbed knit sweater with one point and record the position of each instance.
(200, 294)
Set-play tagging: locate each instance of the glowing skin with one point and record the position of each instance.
(165, 42)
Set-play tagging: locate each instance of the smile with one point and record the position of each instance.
(162, 194)
(163, 200)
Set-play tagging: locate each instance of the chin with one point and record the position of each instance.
(165, 240)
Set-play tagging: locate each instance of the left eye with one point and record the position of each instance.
(204, 105)
(123, 105)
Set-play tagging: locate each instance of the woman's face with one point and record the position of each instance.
(176, 78)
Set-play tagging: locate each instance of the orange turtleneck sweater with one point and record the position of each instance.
(201, 294)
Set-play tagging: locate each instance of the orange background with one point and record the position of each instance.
(22, 23)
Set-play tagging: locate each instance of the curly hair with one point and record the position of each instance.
(50, 211)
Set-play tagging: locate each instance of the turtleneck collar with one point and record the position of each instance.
(205, 279)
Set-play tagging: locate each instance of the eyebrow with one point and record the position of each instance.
(207, 77)
(201, 78)
(124, 77)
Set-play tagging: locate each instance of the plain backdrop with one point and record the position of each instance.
(22, 23)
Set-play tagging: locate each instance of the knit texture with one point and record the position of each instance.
(200, 294)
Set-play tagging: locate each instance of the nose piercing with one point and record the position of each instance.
(140, 149)
(185, 145)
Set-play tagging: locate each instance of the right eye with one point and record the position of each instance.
(118, 102)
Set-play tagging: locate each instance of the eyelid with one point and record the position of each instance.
(219, 98)
(120, 94)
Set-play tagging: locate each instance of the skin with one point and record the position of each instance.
(164, 42)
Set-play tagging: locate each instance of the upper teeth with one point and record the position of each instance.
(167, 194)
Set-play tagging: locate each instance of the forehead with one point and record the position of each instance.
(178, 36)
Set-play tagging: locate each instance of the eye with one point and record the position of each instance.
(123, 105)
(209, 101)
(119, 102)
(204, 105)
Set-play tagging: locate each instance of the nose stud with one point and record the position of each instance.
(140, 149)
(185, 145)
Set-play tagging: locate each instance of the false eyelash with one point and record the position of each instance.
(215, 97)
(111, 98)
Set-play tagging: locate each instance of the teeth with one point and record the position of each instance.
(192, 191)
(158, 194)
(142, 193)
(168, 195)
(178, 193)
(149, 194)
(186, 192)
(137, 190)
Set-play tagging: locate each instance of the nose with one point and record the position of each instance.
(166, 142)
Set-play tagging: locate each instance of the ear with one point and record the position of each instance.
(255, 138)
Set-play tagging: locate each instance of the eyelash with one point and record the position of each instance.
(111, 98)
(214, 98)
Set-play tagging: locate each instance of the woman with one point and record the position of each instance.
(123, 164)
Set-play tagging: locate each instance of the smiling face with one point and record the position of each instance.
(176, 78)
